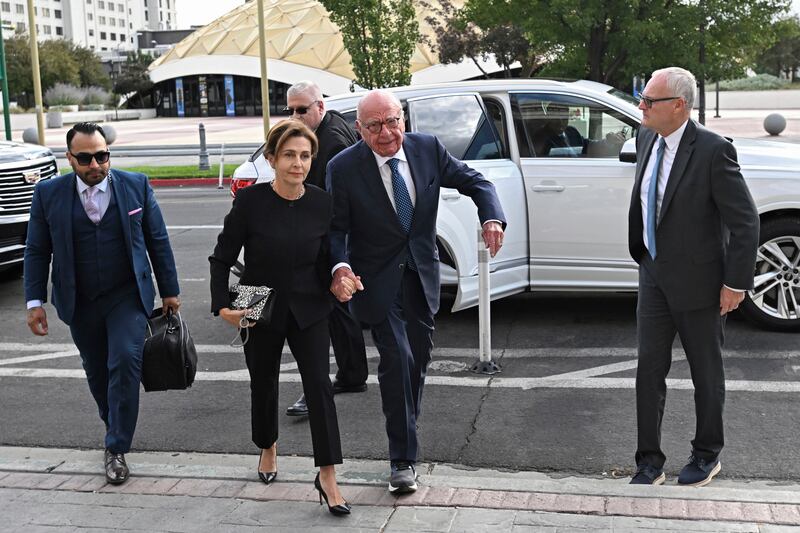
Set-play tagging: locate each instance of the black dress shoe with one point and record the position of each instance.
(116, 468)
(298, 408)
(266, 477)
(339, 388)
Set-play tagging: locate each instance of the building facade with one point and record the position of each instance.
(108, 27)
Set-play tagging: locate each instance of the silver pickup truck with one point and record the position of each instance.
(567, 203)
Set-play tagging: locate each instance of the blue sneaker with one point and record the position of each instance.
(403, 479)
(699, 472)
(648, 475)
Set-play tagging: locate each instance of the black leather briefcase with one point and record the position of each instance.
(169, 361)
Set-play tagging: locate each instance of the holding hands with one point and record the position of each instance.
(345, 284)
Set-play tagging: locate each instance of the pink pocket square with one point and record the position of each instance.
(130, 213)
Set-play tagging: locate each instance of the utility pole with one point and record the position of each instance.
(262, 48)
(37, 80)
(4, 75)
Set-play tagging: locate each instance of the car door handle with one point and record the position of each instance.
(550, 187)
(451, 195)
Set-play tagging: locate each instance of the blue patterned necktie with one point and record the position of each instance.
(402, 203)
(402, 200)
(652, 200)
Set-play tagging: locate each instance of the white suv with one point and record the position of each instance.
(567, 205)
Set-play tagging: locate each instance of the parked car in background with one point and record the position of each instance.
(555, 152)
(21, 167)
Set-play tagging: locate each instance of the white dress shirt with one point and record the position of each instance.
(102, 198)
(405, 172)
(673, 141)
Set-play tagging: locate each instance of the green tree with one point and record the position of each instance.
(611, 40)
(784, 55)
(135, 78)
(380, 36)
(90, 69)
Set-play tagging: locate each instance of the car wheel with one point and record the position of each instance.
(774, 302)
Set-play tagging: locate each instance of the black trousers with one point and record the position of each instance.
(348, 346)
(309, 347)
(404, 340)
(702, 334)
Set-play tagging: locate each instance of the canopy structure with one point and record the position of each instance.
(302, 43)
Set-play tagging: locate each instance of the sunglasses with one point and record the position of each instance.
(300, 110)
(648, 102)
(85, 159)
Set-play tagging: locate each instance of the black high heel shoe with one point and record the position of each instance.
(338, 510)
(266, 477)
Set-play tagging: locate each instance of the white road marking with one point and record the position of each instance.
(42, 357)
(450, 381)
(193, 227)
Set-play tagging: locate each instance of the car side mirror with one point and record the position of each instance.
(628, 152)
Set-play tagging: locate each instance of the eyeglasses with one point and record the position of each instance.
(300, 110)
(375, 126)
(85, 159)
(648, 102)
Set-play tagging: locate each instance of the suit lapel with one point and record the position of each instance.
(67, 196)
(121, 195)
(417, 176)
(684, 153)
(647, 149)
(374, 183)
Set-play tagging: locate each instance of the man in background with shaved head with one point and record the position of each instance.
(383, 250)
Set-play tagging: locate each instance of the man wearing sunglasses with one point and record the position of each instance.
(305, 103)
(693, 229)
(97, 227)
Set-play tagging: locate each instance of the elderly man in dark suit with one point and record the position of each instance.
(693, 229)
(97, 227)
(383, 242)
(305, 103)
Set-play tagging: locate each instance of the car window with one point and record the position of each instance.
(460, 124)
(496, 112)
(554, 125)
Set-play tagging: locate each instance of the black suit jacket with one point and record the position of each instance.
(285, 247)
(334, 135)
(707, 231)
(367, 234)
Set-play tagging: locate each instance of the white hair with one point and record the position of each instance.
(681, 83)
(305, 87)
(386, 94)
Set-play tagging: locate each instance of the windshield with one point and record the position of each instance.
(623, 95)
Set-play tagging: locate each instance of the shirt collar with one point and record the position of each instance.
(674, 138)
(381, 160)
(102, 186)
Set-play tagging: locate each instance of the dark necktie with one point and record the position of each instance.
(402, 203)
(402, 200)
(652, 200)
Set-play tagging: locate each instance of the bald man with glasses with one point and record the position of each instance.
(100, 230)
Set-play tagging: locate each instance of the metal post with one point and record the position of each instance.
(484, 365)
(37, 80)
(701, 78)
(4, 74)
(203, 151)
(262, 47)
(221, 165)
(716, 110)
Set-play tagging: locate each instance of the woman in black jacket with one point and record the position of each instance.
(283, 227)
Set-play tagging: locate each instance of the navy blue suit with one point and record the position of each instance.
(102, 284)
(398, 302)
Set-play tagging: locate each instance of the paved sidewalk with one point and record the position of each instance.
(64, 490)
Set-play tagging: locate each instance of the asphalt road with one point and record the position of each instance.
(564, 401)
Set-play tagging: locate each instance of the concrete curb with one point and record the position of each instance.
(363, 483)
(186, 182)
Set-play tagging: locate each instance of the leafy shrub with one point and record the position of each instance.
(760, 82)
(63, 94)
(95, 96)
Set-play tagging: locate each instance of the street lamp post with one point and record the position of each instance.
(37, 80)
(4, 75)
(262, 47)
